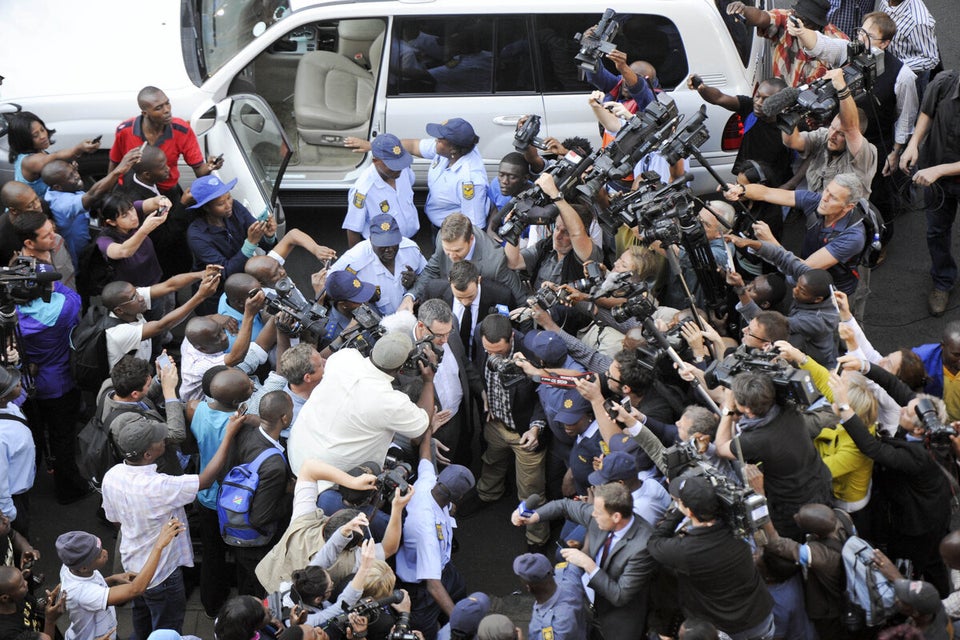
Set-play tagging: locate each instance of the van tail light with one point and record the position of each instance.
(732, 134)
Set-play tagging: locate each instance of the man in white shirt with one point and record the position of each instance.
(91, 598)
(354, 413)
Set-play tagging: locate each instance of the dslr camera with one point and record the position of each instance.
(937, 432)
(510, 372)
(599, 43)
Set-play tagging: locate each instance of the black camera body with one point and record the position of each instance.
(366, 607)
(594, 278)
(510, 372)
(367, 331)
(937, 432)
(598, 44)
(610, 406)
(528, 135)
(286, 298)
(792, 385)
(817, 103)
(26, 280)
(639, 305)
(418, 355)
(395, 475)
(547, 297)
(691, 136)
(744, 510)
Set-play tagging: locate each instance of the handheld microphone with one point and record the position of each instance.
(528, 506)
(780, 102)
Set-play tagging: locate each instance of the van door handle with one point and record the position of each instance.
(507, 121)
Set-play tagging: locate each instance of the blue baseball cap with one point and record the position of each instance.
(572, 408)
(532, 567)
(343, 285)
(388, 148)
(623, 442)
(455, 130)
(384, 231)
(209, 188)
(546, 345)
(617, 465)
(467, 613)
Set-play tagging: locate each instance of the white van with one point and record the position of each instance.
(275, 85)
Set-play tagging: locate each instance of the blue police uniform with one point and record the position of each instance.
(589, 445)
(461, 188)
(564, 615)
(371, 195)
(362, 260)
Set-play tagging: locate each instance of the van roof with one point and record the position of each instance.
(494, 6)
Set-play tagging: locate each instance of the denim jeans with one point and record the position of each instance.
(161, 607)
(943, 268)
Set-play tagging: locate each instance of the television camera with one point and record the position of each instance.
(791, 384)
(598, 42)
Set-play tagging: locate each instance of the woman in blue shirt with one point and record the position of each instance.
(30, 140)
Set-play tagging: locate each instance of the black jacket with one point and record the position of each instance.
(524, 401)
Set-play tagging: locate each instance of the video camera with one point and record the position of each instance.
(690, 137)
(791, 384)
(814, 105)
(26, 280)
(366, 607)
(286, 298)
(367, 331)
(527, 135)
(418, 355)
(598, 43)
(744, 510)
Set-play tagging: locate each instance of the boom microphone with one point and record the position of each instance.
(780, 102)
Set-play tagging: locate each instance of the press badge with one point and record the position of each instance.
(547, 633)
(439, 532)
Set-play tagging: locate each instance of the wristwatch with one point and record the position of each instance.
(728, 412)
(844, 407)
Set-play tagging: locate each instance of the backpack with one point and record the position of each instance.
(97, 453)
(235, 499)
(867, 590)
(94, 270)
(874, 229)
(88, 348)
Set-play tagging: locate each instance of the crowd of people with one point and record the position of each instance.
(637, 392)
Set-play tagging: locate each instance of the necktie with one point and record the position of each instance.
(466, 328)
(606, 549)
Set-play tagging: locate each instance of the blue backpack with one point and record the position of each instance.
(235, 499)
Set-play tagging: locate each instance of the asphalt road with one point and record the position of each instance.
(895, 316)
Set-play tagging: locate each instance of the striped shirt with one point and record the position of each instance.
(915, 42)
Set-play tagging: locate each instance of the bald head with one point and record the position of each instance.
(275, 405)
(265, 269)
(238, 288)
(56, 174)
(19, 197)
(950, 549)
(643, 69)
(231, 387)
(206, 335)
(9, 580)
(147, 95)
(818, 519)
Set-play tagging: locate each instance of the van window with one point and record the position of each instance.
(469, 55)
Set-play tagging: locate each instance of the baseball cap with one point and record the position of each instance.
(697, 494)
(209, 188)
(495, 626)
(391, 350)
(623, 442)
(918, 594)
(387, 147)
(546, 345)
(384, 231)
(344, 285)
(458, 479)
(137, 436)
(455, 130)
(78, 548)
(616, 465)
(532, 567)
(467, 614)
(572, 407)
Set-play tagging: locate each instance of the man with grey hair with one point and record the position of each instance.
(835, 235)
(298, 373)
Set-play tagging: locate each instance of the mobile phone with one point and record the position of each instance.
(696, 81)
(163, 360)
(263, 215)
(97, 139)
(795, 20)
(218, 158)
(833, 298)
(560, 546)
(839, 368)
(143, 146)
(242, 409)
(254, 293)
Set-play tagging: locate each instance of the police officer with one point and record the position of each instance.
(559, 610)
(457, 179)
(423, 561)
(650, 499)
(386, 259)
(576, 417)
(466, 617)
(345, 291)
(386, 186)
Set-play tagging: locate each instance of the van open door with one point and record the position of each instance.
(255, 151)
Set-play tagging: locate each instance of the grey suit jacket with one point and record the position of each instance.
(489, 259)
(622, 583)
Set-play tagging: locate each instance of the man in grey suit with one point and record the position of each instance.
(617, 566)
(460, 240)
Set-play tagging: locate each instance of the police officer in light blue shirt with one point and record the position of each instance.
(650, 499)
(560, 607)
(386, 186)
(386, 259)
(457, 179)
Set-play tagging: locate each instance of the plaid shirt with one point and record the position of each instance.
(789, 60)
(498, 398)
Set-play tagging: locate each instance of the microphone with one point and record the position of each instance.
(528, 506)
(44, 277)
(780, 102)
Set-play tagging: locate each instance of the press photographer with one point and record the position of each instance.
(773, 433)
(915, 514)
(717, 577)
(353, 318)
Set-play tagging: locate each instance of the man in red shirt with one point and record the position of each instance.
(156, 126)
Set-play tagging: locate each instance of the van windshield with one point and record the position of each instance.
(227, 26)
